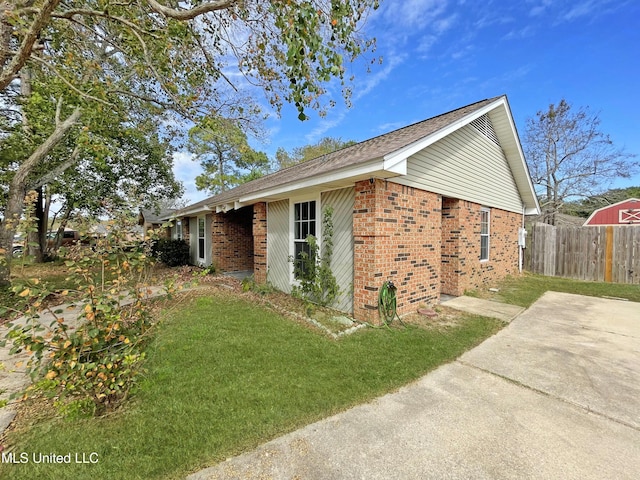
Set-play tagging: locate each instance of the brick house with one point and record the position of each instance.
(435, 207)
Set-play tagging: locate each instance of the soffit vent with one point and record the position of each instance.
(485, 127)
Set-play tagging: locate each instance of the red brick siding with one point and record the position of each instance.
(260, 242)
(232, 240)
(185, 229)
(461, 266)
(450, 272)
(397, 237)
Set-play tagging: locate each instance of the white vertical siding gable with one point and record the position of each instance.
(468, 164)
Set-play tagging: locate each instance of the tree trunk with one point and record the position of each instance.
(36, 241)
(17, 192)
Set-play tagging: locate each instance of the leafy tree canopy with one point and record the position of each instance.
(586, 206)
(168, 59)
(225, 155)
(309, 152)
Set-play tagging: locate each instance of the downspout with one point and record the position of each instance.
(521, 236)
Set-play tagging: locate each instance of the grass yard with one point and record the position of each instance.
(225, 375)
(527, 288)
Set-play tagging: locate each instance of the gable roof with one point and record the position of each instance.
(384, 156)
(155, 216)
(595, 213)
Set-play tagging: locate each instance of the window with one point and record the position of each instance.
(484, 234)
(304, 224)
(201, 231)
(178, 230)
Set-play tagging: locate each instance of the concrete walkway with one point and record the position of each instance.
(486, 308)
(556, 394)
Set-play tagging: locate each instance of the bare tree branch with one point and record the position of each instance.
(191, 13)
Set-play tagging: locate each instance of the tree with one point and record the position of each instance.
(225, 155)
(114, 164)
(586, 206)
(309, 152)
(133, 56)
(569, 156)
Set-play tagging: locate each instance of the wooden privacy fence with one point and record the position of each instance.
(603, 254)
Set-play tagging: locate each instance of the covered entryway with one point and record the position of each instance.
(232, 240)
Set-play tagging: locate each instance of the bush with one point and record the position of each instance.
(89, 369)
(173, 253)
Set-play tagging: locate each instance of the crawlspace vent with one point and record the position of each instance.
(484, 126)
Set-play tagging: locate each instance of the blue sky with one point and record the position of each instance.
(439, 55)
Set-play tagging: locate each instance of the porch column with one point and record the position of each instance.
(260, 242)
(366, 281)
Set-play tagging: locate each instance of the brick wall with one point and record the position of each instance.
(461, 266)
(396, 237)
(232, 240)
(260, 242)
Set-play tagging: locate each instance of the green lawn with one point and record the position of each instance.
(526, 289)
(224, 376)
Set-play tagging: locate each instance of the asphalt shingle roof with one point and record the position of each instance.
(362, 152)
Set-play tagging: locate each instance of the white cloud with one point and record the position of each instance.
(415, 13)
(583, 9)
(540, 8)
(186, 169)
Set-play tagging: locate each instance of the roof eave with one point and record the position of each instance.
(343, 177)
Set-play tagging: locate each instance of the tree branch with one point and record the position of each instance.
(69, 84)
(191, 13)
(59, 170)
(26, 48)
(45, 148)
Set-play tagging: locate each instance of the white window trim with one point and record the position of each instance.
(488, 234)
(204, 237)
(292, 203)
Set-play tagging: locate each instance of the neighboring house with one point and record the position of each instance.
(626, 212)
(434, 207)
(151, 219)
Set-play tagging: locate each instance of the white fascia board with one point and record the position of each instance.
(405, 152)
(374, 168)
(195, 211)
(396, 165)
(522, 163)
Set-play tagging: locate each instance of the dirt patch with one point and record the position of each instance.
(445, 318)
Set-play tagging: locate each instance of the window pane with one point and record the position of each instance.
(484, 248)
(484, 223)
(296, 208)
(312, 228)
(312, 210)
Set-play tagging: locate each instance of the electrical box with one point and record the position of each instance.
(522, 237)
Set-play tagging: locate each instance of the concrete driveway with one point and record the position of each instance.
(556, 394)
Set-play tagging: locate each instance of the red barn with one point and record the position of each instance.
(626, 212)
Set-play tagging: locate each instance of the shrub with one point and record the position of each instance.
(90, 369)
(173, 253)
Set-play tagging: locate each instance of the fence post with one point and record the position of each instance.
(608, 255)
